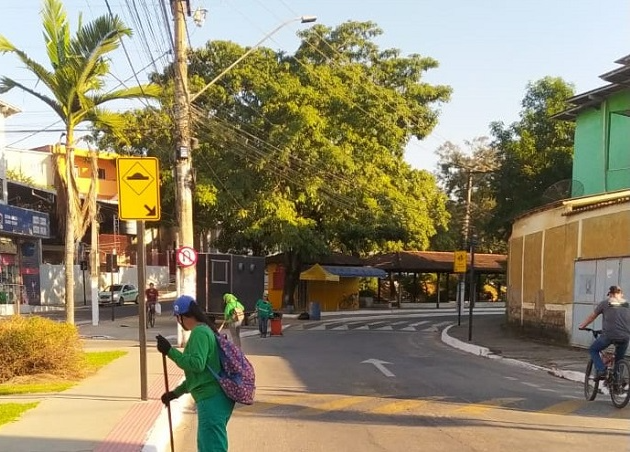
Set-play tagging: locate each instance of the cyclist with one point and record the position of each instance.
(151, 295)
(615, 328)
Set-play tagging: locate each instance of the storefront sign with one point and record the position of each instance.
(15, 220)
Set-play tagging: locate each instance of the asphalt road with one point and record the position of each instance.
(317, 393)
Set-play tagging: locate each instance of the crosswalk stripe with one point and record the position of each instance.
(385, 328)
(566, 407)
(419, 323)
(364, 327)
(341, 327)
(338, 404)
(486, 405)
(409, 328)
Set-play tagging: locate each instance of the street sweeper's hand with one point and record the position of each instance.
(163, 345)
(167, 397)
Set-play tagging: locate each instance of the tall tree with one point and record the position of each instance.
(75, 91)
(304, 154)
(466, 176)
(534, 152)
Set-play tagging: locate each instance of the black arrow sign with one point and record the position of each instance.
(150, 210)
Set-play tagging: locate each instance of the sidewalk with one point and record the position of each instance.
(491, 339)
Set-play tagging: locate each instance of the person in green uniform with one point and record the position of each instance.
(214, 408)
(264, 311)
(234, 313)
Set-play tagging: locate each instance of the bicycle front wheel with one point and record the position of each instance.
(591, 383)
(620, 388)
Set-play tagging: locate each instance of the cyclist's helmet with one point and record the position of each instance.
(181, 305)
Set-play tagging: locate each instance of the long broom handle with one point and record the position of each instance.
(168, 405)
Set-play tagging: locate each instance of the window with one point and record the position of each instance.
(220, 272)
(101, 173)
(619, 140)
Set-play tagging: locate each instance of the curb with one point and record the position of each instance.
(485, 352)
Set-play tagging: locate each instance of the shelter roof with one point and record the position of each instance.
(351, 271)
(434, 261)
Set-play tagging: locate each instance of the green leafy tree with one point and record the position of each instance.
(466, 176)
(534, 152)
(75, 91)
(304, 154)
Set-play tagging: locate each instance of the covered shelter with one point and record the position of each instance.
(440, 263)
(336, 287)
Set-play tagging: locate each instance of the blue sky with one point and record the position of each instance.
(488, 50)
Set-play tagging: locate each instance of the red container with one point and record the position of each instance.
(276, 326)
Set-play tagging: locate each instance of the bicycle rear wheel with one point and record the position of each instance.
(620, 388)
(591, 383)
(150, 318)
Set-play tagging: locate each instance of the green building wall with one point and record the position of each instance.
(602, 146)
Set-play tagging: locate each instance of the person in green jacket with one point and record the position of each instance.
(264, 311)
(214, 408)
(234, 313)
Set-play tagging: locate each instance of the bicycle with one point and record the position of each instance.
(150, 315)
(617, 380)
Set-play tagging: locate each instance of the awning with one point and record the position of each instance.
(355, 271)
(317, 273)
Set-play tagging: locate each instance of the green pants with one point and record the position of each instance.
(213, 415)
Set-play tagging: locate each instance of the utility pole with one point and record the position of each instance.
(183, 168)
(461, 284)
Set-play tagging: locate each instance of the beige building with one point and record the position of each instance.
(563, 258)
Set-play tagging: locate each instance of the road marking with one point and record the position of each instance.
(342, 327)
(399, 323)
(548, 390)
(409, 328)
(319, 327)
(385, 328)
(419, 323)
(379, 364)
(531, 385)
(364, 327)
(398, 406)
(331, 406)
(566, 407)
(487, 405)
(511, 378)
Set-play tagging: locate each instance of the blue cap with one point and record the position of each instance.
(181, 305)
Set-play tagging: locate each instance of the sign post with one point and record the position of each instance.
(139, 199)
(459, 266)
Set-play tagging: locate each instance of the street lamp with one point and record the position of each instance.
(302, 19)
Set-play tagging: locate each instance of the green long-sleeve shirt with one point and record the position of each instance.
(200, 351)
(231, 303)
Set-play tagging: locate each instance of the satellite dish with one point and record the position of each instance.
(563, 189)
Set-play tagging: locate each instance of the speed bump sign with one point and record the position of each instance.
(459, 262)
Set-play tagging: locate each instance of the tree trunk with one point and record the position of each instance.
(293, 263)
(70, 226)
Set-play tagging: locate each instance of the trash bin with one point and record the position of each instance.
(314, 312)
(276, 324)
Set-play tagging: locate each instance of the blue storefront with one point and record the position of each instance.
(21, 234)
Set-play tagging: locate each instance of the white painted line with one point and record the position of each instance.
(380, 365)
(419, 323)
(385, 328)
(409, 328)
(342, 327)
(364, 327)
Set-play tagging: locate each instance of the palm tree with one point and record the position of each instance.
(76, 92)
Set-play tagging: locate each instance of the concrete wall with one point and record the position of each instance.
(543, 250)
(52, 280)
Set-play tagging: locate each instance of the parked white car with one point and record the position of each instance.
(118, 293)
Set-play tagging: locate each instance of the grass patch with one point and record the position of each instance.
(45, 383)
(95, 360)
(9, 412)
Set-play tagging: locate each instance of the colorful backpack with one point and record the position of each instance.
(236, 377)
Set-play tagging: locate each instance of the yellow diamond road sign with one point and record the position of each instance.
(459, 262)
(138, 188)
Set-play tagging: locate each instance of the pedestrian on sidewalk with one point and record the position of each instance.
(264, 311)
(615, 328)
(233, 314)
(214, 408)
